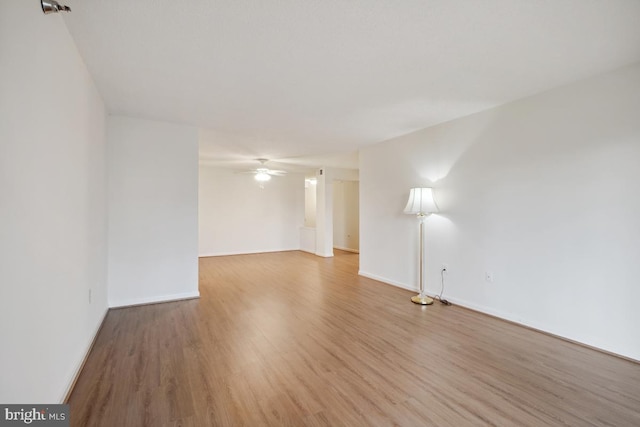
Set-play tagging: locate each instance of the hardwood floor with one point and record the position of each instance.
(291, 339)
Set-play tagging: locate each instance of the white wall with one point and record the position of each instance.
(543, 192)
(236, 216)
(308, 239)
(310, 204)
(346, 215)
(52, 206)
(324, 212)
(153, 208)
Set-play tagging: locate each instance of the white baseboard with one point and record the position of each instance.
(457, 301)
(492, 312)
(154, 299)
(325, 255)
(387, 281)
(78, 369)
(509, 317)
(355, 251)
(265, 251)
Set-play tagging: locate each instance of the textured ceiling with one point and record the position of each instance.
(289, 79)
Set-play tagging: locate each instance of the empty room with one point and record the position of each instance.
(320, 213)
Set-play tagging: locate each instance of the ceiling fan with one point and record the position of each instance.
(263, 174)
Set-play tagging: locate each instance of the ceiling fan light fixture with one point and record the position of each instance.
(262, 177)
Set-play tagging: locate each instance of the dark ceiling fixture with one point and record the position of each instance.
(52, 6)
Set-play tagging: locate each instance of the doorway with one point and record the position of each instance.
(346, 215)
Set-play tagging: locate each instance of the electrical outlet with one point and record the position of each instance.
(488, 276)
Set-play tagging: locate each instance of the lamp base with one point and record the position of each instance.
(422, 300)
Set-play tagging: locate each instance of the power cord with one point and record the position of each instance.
(439, 297)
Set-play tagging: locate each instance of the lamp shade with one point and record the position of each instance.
(421, 202)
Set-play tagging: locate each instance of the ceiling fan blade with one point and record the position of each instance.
(275, 172)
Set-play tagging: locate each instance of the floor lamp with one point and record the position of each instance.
(421, 204)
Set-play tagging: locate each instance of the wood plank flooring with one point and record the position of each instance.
(291, 339)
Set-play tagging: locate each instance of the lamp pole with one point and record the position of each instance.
(421, 298)
(421, 204)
